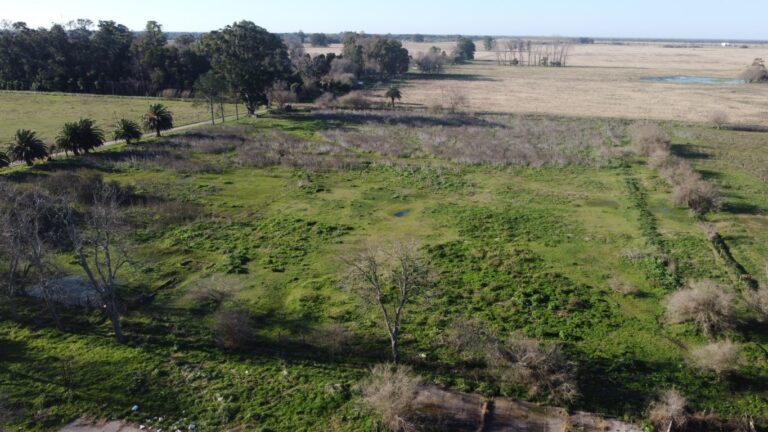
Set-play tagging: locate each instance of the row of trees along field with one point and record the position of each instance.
(518, 52)
(242, 61)
(83, 136)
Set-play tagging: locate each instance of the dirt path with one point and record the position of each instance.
(474, 413)
(81, 425)
(459, 412)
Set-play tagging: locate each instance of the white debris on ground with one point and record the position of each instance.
(69, 291)
(82, 425)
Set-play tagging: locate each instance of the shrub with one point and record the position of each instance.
(679, 171)
(720, 358)
(325, 100)
(468, 338)
(755, 73)
(234, 328)
(621, 287)
(390, 392)
(719, 119)
(663, 161)
(698, 195)
(648, 138)
(169, 93)
(757, 301)
(436, 109)
(670, 409)
(544, 370)
(355, 101)
(705, 303)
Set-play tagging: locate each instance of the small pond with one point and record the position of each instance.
(402, 213)
(689, 79)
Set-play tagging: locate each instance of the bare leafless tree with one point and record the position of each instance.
(456, 100)
(390, 280)
(34, 218)
(100, 251)
(280, 94)
(12, 246)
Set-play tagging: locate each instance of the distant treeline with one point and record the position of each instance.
(106, 58)
(242, 61)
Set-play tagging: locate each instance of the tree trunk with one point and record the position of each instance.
(221, 107)
(114, 317)
(237, 112)
(12, 305)
(158, 132)
(395, 351)
(213, 118)
(51, 306)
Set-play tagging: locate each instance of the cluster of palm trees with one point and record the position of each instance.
(83, 136)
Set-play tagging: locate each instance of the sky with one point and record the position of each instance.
(678, 19)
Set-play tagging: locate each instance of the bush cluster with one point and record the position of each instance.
(690, 189)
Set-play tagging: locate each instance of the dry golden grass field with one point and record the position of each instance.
(603, 80)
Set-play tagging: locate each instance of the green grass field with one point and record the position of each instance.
(46, 113)
(523, 248)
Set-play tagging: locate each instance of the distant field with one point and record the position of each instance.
(603, 80)
(47, 112)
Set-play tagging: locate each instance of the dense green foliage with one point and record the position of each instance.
(240, 62)
(109, 59)
(386, 54)
(465, 50)
(250, 59)
(318, 40)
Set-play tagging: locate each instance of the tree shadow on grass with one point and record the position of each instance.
(396, 118)
(742, 208)
(689, 151)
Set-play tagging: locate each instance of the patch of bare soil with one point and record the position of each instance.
(471, 412)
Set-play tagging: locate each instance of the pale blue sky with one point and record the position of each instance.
(715, 19)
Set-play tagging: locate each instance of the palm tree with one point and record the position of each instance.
(4, 160)
(127, 130)
(80, 136)
(27, 146)
(158, 118)
(67, 139)
(89, 135)
(393, 93)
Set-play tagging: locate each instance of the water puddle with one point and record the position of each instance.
(402, 213)
(689, 79)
